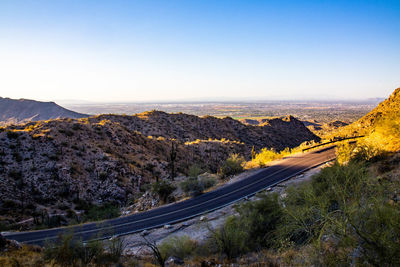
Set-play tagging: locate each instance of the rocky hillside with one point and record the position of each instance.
(278, 133)
(380, 127)
(320, 129)
(13, 111)
(110, 158)
(323, 129)
(386, 109)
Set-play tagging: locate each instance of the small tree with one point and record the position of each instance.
(180, 247)
(194, 171)
(230, 239)
(158, 255)
(195, 186)
(261, 218)
(232, 165)
(163, 189)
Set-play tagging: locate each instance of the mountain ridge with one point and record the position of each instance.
(16, 111)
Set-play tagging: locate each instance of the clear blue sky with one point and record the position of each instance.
(170, 50)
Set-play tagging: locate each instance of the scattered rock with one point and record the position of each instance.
(208, 263)
(144, 233)
(203, 218)
(167, 226)
(174, 260)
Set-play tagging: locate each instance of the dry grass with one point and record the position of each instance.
(26, 256)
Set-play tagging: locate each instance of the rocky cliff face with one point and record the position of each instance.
(13, 111)
(109, 158)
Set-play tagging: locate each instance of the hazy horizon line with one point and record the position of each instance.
(228, 100)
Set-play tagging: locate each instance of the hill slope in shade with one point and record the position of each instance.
(14, 111)
(109, 158)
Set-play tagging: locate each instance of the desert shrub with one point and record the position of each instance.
(344, 152)
(267, 155)
(311, 207)
(25, 256)
(191, 186)
(68, 251)
(255, 227)
(101, 212)
(114, 248)
(195, 186)
(232, 165)
(207, 181)
(76, 127)
(347, 207)
(65, 252)
(68, 133)
(163, 189)
(12, 134)
(55, 221)
(103, 176)
(261, 218)
(180, 247)
(230, 239)
(194, 171)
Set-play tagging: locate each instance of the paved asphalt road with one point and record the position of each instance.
(180, 211)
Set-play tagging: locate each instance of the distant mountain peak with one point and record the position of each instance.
(15, 111)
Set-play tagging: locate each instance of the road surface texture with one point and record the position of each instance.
(282, 170)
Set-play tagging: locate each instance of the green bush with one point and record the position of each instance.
(191, 186)
(101, 212)
(67, 251)
(195, 186)
(230, 239)
(261, 218)
(194, 171)
(267, 155)
(180, 247)
(254, 228)
(163, 189)
(94, 212)
(232, 165)
(343, 210)
(350, 207)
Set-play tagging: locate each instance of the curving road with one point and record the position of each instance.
(282, 170)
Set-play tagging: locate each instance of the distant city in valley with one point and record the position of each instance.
(322, 111)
